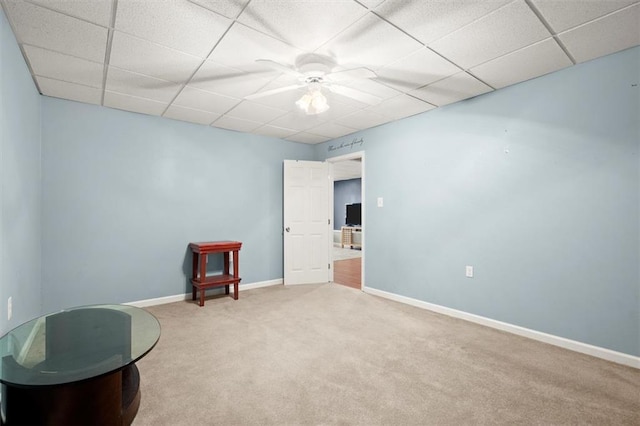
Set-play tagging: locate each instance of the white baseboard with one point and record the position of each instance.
(596, 351)
(187, 296)
(159, 300)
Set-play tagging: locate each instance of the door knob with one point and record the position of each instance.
(287, 229)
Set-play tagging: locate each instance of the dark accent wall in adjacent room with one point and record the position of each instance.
(345, 192)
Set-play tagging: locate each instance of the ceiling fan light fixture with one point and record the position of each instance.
(313, 102)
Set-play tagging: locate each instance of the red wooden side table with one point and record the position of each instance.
(201, 281)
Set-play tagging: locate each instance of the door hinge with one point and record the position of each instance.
(328, 265)
(328, 221)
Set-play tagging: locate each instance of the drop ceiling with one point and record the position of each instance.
(195, 60)
(347, 169)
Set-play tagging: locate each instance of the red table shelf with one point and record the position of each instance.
(200, 281)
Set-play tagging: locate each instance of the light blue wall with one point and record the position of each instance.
(536, 186)
(345, 192)
(20, 185)
(125, 193)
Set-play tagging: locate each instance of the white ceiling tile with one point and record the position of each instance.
(606, 35)
(230, 9)
(451, 89)
(133, 103)
(373, 87)
(338, 108)
(158, 53)
(63, 67)
(416, 70)
(178, 24)
(281, 101)
(54, 31)
(505, 30)
(363, 120)
(248, 110)
(370, 42)
(241, 46)
(429, 20)
(347, 101)
(277, 132)
(347, 169)
(532, 61)
(401, 106)
(298, 120)
(307, 138)
(227, 81)
(191, 97)
(371, 4)
(285, 100)
(96, 11)
(191, 115)
(303, 24)
(562, 15)
(140, 85)
(331, 130)
(72, 91)
(237, 124)
(144, 57)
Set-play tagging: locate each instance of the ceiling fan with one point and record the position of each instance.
(314, 72)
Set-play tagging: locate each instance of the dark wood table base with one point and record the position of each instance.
(111, 399)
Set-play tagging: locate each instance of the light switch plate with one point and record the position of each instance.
(380, 202)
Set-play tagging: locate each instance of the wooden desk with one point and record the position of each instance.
(200, 281)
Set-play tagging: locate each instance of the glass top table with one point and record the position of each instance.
(76, 344)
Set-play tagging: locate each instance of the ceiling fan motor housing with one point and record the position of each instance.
(313, 64)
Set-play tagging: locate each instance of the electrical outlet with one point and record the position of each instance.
(469, 271)
(9, 308)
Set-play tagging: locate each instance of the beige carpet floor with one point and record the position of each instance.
(331, 355)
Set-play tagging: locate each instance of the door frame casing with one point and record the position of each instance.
(350, 156)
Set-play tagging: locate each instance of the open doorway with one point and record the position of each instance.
(347, 250)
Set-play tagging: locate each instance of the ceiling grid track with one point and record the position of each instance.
(373, 62)
(107, 53)
(21, 47)
(542, 19)
(233, 22)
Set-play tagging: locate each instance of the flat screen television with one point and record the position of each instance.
(354, 215)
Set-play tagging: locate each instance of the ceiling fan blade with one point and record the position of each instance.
(280, 67)
(355, 94)
(352, 74)
(275, 91)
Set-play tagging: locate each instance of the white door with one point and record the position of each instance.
(306, 222)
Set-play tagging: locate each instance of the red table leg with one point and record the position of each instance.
(235, 274)
(194, 275)
(226, 270)
(203, 274)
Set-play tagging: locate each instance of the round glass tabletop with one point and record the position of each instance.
(76, 344)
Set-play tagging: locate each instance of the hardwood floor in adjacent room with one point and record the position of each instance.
(348, 272)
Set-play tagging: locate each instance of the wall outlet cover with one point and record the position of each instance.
(469, 271)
